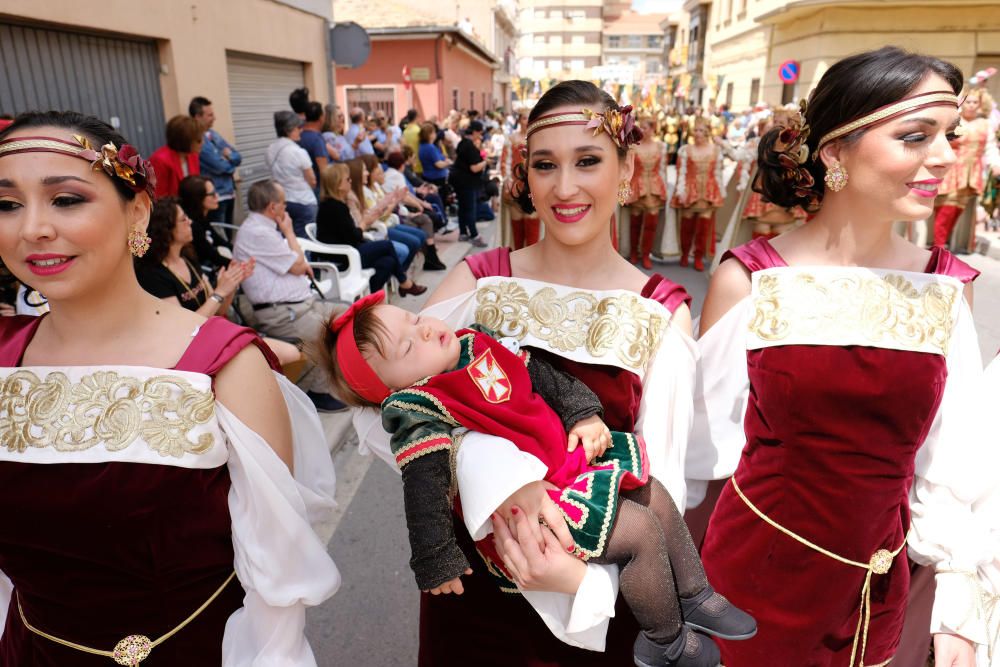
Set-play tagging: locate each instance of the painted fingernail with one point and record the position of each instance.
(570, 549)
(514, 510)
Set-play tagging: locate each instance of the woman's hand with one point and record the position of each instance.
(534, 567)
(228, 279)
(7, 310)
(450, 586)
(533, 501)
(953, 651)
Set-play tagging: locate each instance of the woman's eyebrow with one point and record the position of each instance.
(56, 180)
(544, 152)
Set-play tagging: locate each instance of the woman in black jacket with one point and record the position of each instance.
(197, 198)
(335, 224)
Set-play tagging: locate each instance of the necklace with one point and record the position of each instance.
(133, 649)
(188, 287)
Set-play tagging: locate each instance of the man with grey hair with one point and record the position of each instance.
(279, 288)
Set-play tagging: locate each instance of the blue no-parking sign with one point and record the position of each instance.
(789, 71)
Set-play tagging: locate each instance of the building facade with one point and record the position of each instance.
(559, 40)
(137, 64)
(443, 48)
(633, 44)
(495, 24)
(749, 40)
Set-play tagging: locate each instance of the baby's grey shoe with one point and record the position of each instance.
(689, 649)
(713, 614)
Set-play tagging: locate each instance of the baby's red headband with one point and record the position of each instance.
(358, 373)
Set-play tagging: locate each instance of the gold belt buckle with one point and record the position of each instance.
(132, 650)
(881, 561)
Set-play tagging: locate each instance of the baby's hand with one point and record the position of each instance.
(451, 586)
(593, 434)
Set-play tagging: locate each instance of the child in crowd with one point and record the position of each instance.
(428, 380)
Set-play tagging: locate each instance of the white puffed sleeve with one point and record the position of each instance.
(722, 391)
(666, 410)
(682, 170)
(580, 620)
(952, 472)
(6, 592)
(281, 526)
(987, 508)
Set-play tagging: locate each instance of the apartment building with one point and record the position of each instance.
(561, 39)
(748, 40)
(633, 45)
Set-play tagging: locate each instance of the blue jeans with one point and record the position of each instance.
(468, 202)
(411, 237)
(380, 255)
(402, 252)
(301, 215)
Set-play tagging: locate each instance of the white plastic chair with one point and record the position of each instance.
(350, 284)
(225, 230)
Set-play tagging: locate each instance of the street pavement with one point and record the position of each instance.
(372, 620)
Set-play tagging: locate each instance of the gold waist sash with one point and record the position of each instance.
(133, 649)
(880, 563)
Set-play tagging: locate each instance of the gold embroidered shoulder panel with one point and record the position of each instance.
(104, 408)
(619, 326)
(853, 306)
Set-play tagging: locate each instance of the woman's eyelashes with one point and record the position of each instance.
(587, 161)
(65, 201)
(8, 205)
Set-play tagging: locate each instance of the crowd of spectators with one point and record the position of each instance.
(343, 177)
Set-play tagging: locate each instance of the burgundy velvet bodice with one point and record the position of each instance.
(832, 434)
(98, 551)
(620, 391)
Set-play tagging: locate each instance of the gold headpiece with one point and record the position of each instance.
(125, 164)
(619, 124)
(890, 111)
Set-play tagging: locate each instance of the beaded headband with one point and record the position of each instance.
(619, 124)
(890, 111)
(125, 164)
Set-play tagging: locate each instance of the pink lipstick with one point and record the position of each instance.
(48, 264)
(570, 213)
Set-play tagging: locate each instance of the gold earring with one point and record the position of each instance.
(836, 177)
(624, 192)
(138, 242)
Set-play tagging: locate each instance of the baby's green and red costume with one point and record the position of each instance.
(520, 397)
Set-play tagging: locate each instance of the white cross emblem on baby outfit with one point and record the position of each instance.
(490, 378)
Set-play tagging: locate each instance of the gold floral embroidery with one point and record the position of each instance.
(103, 408)
(620, 324)
(875, 309)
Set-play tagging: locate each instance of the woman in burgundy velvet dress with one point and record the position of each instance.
(831, 389)
(621, 332)
(150, 513)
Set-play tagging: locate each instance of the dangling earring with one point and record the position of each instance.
(836, 177)
(624, 192)
(138, 242)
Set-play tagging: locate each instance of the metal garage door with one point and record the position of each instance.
(257, 88)
(112, 78)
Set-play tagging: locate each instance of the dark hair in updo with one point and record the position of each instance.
(576, 93)
(851, 88)
(94, 129)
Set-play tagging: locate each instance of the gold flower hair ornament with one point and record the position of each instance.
(793, 153)
(125, 164)
(618, 123)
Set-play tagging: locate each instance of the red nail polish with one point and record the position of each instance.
(514, 510)
(569, 549)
